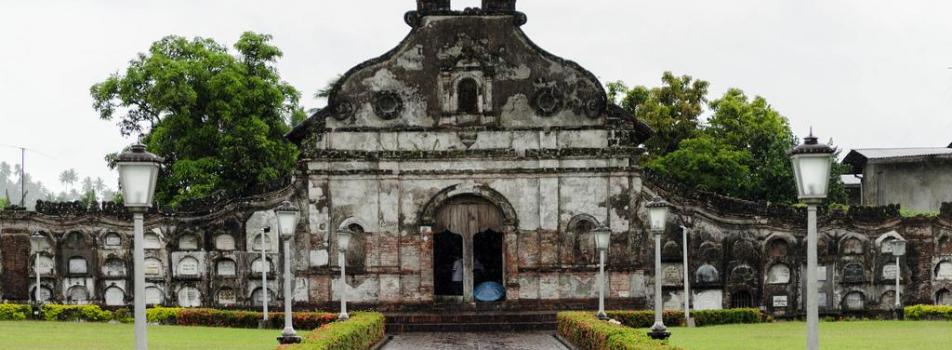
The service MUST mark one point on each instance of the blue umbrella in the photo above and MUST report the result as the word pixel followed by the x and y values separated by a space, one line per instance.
pixel 489 291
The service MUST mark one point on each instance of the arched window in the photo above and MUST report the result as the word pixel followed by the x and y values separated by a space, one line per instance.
pixel 188 266
pixel 226 267
pixel 467 94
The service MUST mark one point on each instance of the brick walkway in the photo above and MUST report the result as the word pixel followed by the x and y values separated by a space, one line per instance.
pixel 474 341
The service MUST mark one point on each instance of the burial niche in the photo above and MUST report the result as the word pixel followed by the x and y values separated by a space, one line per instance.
pixel 357 251
pixel 77 295
pixel 943 297
pixel 778 248
pixel 778 274
pixel 468 248
pixel 742 274
pixel 707 274
pixel 854 273
pixel 226 268
pixel 115 296
pixel 854 301
pixel 152 267
pixel 943 271
pixel 741 299
pixel 225 242
pixel 189 297
pixel 114 267
pixel 258 295
pixel 584 242
pixel 45 265
pixel 154 296
pixel 188 266
pixel 45 293
pixel 188 242
pixel 852 246
pixel 77 266
pixel 257 266
pixel 112 240
pixel 226 297
pixel 151 241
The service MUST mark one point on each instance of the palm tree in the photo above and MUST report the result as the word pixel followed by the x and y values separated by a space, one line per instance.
pixel 68 178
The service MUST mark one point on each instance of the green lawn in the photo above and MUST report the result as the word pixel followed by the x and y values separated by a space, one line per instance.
pixel 103 336
pixel 859 335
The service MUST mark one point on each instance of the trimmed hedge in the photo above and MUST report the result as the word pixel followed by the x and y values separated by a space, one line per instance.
pixel 14 312
pixel 234 319
pixel 645 318
pixel 89 313
pixel 586 332
pixel 362 331
pixel 928 312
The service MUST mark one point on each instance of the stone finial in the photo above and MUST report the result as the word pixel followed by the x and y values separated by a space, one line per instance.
pixel 499 5
pixel 424 6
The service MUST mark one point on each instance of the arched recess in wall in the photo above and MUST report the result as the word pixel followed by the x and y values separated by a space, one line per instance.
pixel 77 265
pixel 151 240
pixel 225 242
pixel 943 297
pixel 707 274
pixel 45 292
pixel 226 268
pixel 77 295
pixel 189 296
pixel 852 244
pixel 428 213
pixel 581 229
pixel 188 242
pixel 46 265
pixel 112 240
pixel 778 245
pixel 257 295
pixel 778 274
pixel 945 245
pixel 153 268
pixel 114 267
pixel 359 237
pixel 154 296
pixel 854 301
pixel 187 266
pixel 257 266
pixel 115 296
pixel 882 242
pixel 467 96
pixel 226 297
pixel 741 299
pixel 943 270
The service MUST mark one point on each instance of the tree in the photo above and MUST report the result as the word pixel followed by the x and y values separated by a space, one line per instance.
pixel 68 177
pixel 672 109
pixel 218 119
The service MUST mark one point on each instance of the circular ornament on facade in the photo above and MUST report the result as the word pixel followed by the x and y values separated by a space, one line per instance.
pixel 593 106
pixel 387 104
pixel 343 110
pixel 548 101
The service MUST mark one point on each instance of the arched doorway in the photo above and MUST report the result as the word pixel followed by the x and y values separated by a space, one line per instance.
pixel 467 247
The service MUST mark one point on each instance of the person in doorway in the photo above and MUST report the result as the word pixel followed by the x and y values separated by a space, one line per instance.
pixel 458 276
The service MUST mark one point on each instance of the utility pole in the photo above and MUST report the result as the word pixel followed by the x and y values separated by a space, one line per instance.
pixel 22 179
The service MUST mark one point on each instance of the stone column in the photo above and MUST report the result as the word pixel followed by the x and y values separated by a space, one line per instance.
pixel 426 263
pixel 511 260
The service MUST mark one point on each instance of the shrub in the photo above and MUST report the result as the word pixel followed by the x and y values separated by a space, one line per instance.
pixel 928 312
pixel 645 318
pixel 586 332
pixel 14 312
pixel 234 319
pixel 360 332
pixel 91 313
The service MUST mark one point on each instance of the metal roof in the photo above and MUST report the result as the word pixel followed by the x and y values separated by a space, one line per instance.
pixel 858 157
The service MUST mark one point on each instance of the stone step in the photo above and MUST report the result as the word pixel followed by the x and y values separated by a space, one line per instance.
pixel 493 321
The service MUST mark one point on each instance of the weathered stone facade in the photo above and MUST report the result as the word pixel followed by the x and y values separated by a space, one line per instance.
pixel 468 142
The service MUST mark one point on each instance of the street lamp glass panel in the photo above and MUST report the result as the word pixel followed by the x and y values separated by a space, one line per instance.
pixel 287 219
pixel 138 183
pixel 898 247
pixel 658 217
pixel 812 172
pixel 602 237
pixel 343 240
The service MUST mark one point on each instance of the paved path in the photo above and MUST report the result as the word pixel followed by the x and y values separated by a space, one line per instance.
pixel 474 341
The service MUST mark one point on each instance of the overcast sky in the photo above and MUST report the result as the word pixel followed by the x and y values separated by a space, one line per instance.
pixel 865 73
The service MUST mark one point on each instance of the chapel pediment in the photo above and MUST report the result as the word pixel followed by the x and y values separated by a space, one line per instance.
pixel 467 69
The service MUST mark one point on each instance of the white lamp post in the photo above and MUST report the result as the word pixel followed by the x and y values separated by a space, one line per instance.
pixel 264 276
pixel 657 218
pixel 811 168
pixel 602 237
pixel 898 250
pixel 288 216
pixel 37 239
pixel 138 172
pixel 343 242
pixel 687 280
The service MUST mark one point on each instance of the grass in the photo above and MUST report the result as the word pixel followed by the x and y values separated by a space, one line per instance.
pixel 859 335
pixel 104 336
